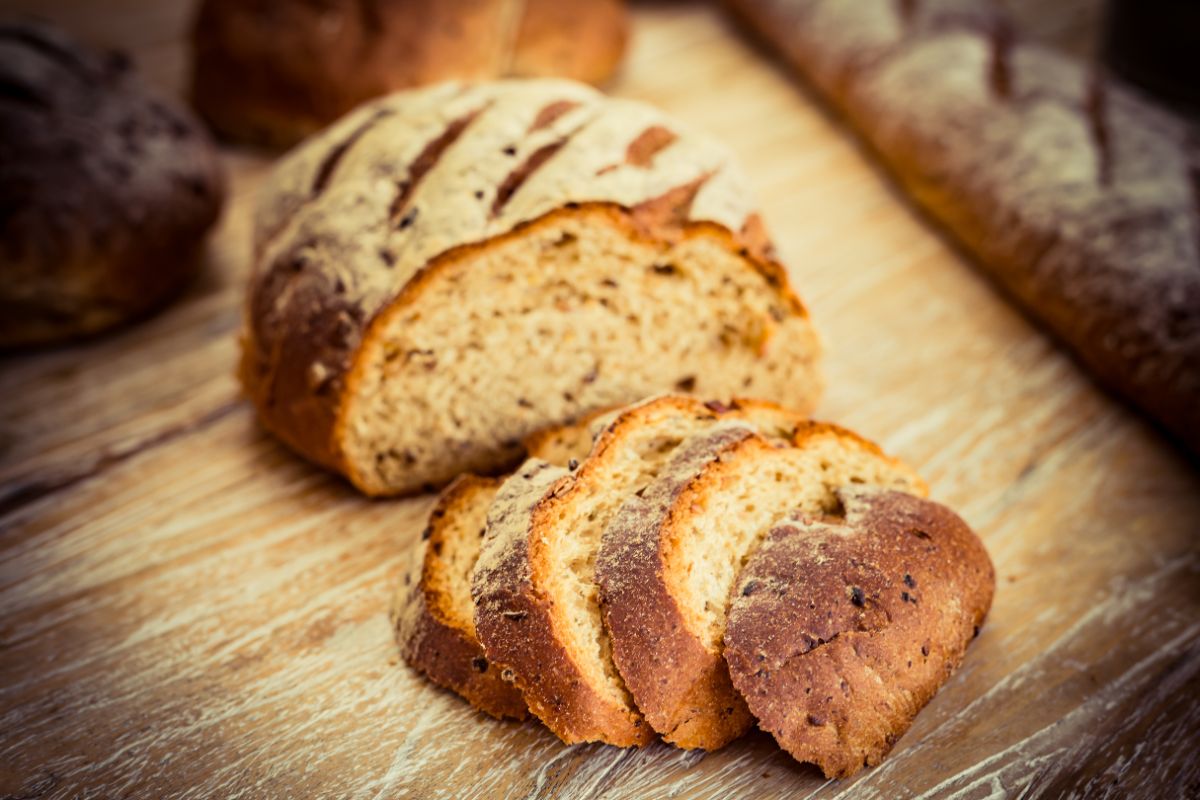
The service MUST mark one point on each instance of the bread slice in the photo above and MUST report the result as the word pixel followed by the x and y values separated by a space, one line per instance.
pixel 670 556
pixel 448 270
pixel 536 608
pixel 842 629
pixel 432 612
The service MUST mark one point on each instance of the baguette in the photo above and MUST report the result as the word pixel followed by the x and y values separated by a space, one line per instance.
pixel 1075 195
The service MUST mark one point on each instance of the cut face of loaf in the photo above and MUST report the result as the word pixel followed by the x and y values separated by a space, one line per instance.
pixel 536 608
pixel 670 557
pixel 448 270
pixel 432 612
pixel 841 629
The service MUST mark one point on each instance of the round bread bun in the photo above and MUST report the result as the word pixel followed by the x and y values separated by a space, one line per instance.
pixel 270 72
pixel 106 190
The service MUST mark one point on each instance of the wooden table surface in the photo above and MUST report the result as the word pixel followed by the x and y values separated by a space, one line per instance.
pixel 187 610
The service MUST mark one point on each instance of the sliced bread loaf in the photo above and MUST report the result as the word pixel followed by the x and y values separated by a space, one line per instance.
pixel 432 612
pixel 447 270
pixel 842 629
pixel 671 554
pixel 536 608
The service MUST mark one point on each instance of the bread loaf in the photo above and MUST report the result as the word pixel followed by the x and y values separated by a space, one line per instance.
pixel 1076 196
pixel 600 589
pixel 447 270
pixel 274 71
pixel 844 625
pixel 432 611
pixel 672 552
pixel 536 607
pixel 107 190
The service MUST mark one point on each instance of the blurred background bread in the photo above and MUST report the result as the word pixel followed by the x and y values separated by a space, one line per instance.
pixel 1076 195
pixel 106 189
pixel 273 71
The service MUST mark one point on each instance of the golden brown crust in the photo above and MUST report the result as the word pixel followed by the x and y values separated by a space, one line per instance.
pixel 514 621
pixel 524 532
pixel 431 640
pixel 1075 194
pixel 108 190
pixel 671 675
pixel 344 258
pixel 579 39
pixel 681 685
pixel 841 630
pixel 271 72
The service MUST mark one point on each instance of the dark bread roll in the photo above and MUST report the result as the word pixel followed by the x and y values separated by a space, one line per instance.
pixel 1078 197
pixel 841 629
pixel 273 71
pixel 106 190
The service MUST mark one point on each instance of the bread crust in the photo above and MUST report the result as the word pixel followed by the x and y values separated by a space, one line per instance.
pixel 682 687
pixel 671 675
pixel 315 315
pixel 515 622
pixel 511 580
pixel 272 72
pixel 431 640
pixel 108 190
pixel 276 366
pixel 1073 193
pixel 841 630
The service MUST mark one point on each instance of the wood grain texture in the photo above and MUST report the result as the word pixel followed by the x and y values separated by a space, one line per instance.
pixel 187 610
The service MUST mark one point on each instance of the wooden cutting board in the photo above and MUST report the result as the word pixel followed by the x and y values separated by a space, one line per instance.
pixel 188 610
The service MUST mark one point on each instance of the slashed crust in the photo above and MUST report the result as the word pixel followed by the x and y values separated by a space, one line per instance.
pixel 1073 192
pixel 341 253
